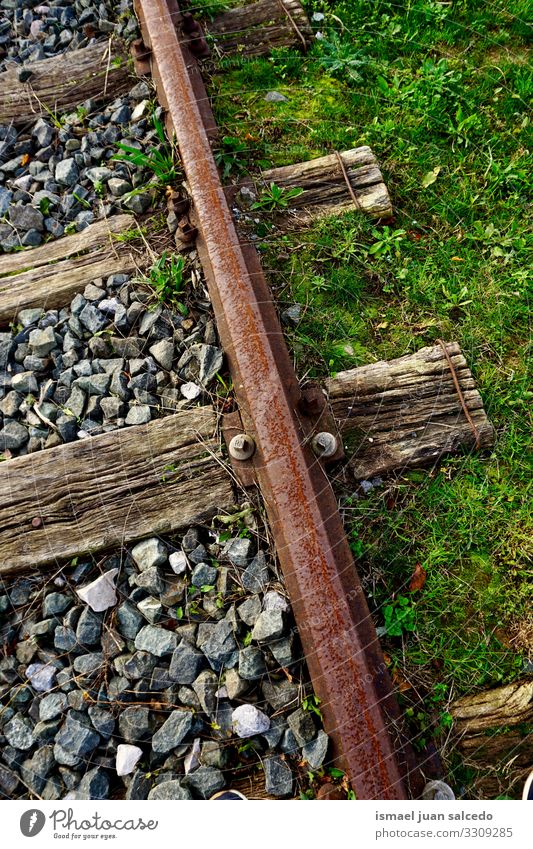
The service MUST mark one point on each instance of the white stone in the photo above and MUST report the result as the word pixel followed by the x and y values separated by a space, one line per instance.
pixel 139 110
pixel 274 601
pixel 127 758
pixel 178 562
pixel 190 391
pixel 42 676
pixel 248 720
pixel 192 758
pixel 101 593
pixel 150 609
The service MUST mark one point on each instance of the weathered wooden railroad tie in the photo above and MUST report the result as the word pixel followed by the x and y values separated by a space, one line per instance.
pixel 383 418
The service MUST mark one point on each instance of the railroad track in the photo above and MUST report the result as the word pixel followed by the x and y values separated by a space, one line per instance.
pixel 109 486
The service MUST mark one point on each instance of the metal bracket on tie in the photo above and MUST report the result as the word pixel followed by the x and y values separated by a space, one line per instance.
pixel 197 42
pixel 141 58
pixel 319 424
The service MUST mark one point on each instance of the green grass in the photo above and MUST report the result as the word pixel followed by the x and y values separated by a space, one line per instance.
pixel 441 93
pixel 165 277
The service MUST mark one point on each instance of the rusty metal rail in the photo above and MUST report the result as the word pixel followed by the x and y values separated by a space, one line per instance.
pixel 339 640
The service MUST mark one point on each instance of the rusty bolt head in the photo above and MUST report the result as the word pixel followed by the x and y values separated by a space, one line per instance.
pixel 311 401
pixel 241 447
pixel 324 444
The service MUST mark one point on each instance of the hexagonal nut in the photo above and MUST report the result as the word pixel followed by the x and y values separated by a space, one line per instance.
pixel 241 447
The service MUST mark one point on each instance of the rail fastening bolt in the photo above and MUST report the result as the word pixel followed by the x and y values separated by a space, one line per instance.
pixel 324 444
pixel 241 447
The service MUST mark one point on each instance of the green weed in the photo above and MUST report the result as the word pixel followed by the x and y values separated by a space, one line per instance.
pixel 276 197
pixel 166 278
pixel 159 160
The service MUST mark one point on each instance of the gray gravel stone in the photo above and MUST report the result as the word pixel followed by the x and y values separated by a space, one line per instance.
pixel 66 172
pixel 18 732
pixel 135 724
pixel 42 132
pixel 163 353
pixel 250 610
pixel 42 341
pixel 204 575
pixel 89 664
pixel 139 665
pixel 92 318
pixel 255 577
pixel 75 738
pixel 278 776
pixel 157 641
pixel 25 218
pixel 5 199
pixel 280 694
pixel 93 384
pixel 98 174
pixel 64 638
pixel 25 382
pixel 150 552
pixel 118 187
pixel 302 725
pixel 102 720
pixel 51 706
pixel 186 664
pixel 272 600
pixel 289 744
pixel 238 551
pixel 220 648
pixel 206 781
pixel 34 771
pixel 172 732
pixel 66 758
pixel 13 436
pixel 210 359
pixel 269 626
pixel 8 782
pixel 129 620
pixel 138 203
pixel 151 609
pixel 138 414
pixel 275 97
pixel 205 688
pixel 44 732
pixel 275 733
pixel 56 603
pixel 316 750
pixel 282 651
pixel 94 785
pixel 89 630
pixel 172 789
pixel 234 684
pixel 251 663
pixel 198 554
pixel 151 580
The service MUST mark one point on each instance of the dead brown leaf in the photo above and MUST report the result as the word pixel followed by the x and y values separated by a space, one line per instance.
pixel 418 578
